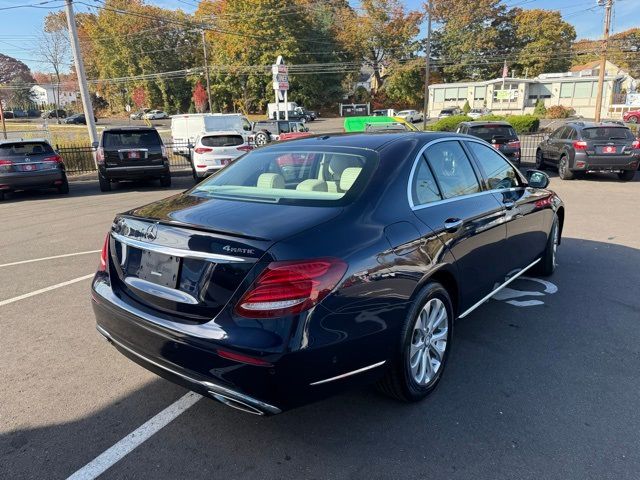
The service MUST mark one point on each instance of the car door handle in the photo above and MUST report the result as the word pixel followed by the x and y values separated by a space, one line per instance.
pixel 452 224
pixel 509 204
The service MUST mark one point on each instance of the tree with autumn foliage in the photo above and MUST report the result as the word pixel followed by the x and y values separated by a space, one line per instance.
pixel 624 48
pixel 199 97
pixel 139 97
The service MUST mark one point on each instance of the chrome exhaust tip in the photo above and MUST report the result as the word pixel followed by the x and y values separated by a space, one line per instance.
pixel 235 403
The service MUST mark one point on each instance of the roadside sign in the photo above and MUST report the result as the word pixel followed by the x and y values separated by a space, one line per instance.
pixel 280 73
pixel 127 107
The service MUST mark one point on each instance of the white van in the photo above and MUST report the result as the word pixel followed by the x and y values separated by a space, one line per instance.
pixel 271 108
pixel 186 128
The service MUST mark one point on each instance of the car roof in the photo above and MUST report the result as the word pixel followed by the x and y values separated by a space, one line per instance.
pixel 219 132
pixel 477 123
pixel 604 123
pixel 128 129
pixel 24 140
pixel 371 141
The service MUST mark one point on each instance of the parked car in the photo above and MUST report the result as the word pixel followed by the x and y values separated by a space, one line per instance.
pixel 131 153
pixel 297 115
pixel 581 147
pixel 266 131
pixel 385 112
pixel 449 112
pixel 30 164
pixel 186 128
pixel 310 114
pixel 215 150
pixel 632 116
pixel 479 112
pixel 500 135
pixel 410 116
pixel 52 114
pixel 138 115
pixel 155 115
pixel 266 289
pixel 8 114
pixel 78 119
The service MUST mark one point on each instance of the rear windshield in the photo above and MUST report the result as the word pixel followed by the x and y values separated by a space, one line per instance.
pixel 328 176
pixel 25 148
pixel 487 132
pixel 140 138
pixel 607 133
pixel 222 141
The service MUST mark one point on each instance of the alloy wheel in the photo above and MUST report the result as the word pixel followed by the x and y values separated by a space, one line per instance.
pixel 556 240
pixel 429 342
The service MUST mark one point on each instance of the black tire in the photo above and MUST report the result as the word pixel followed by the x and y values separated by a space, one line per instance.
pixel 626 175
pixel 1 196
pixel 105 183
pixel 398 381
pixel 165 180
pixel 63 188
pixel 261 138
pixel 563 169
pixel 548 260
pixel 540 165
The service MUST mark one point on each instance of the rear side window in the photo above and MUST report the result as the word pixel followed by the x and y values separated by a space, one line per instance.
pixel 24 149
pixel 607 133
pixel 144 138
pixel 424 188
pixel 222 141
pixel 452 169
pixel 497 170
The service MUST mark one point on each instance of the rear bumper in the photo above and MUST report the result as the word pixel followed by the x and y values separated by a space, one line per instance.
pixel 605 163
pixel 22 180
pixel 135 172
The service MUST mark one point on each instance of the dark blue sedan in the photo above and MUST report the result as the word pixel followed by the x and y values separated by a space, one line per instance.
pixel 307 267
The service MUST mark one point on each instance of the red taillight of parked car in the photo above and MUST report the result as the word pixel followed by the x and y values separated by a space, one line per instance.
pixel 514 144
pixel 5 163
pixel 203 150
pixel 634 144
pixel 100 155
pixel 580 145
pixel 245 148
pixel 102 266
pixel 286 288
pixel 53 159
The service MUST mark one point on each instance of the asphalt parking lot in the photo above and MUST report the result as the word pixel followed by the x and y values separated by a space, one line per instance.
pixel 543 381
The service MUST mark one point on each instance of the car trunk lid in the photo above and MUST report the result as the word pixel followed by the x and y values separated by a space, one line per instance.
pixel 130 148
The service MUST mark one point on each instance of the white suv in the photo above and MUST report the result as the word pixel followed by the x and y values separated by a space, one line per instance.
pixel 215 150
pixel 410 116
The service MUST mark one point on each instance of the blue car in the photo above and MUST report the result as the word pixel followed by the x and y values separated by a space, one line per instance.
pixel 311 266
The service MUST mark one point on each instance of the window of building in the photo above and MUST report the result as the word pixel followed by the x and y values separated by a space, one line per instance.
pixel 539 90
pixel 583 90
pixel 479 93
pixel 451 94
pixel 462 93
pixel 438 95
pixel 566 90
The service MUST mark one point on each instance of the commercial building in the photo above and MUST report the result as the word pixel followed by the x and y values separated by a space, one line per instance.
pixel 575 89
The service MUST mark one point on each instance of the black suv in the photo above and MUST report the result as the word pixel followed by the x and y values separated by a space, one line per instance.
pixel 297 115
pixel 131 153
pixel 581 147
pixel 500 135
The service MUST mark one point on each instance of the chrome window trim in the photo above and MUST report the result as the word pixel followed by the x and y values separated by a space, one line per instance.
pixel 178 252
pixel 459 197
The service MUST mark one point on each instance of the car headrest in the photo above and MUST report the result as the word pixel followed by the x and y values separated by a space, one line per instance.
pixel 312 185
pixel 348 178
pixel 339 163
pixel 270 180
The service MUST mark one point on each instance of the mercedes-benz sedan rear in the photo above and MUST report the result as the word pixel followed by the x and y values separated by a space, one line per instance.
pixel 310 266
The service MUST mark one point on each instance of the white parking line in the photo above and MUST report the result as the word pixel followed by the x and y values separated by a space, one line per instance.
pixel 46 289
pixel 21 262
pixel 118 451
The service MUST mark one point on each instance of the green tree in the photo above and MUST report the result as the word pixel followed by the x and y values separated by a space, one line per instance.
pixel 472 37
pixel 623 51
pixel 542 35
pixel 405 84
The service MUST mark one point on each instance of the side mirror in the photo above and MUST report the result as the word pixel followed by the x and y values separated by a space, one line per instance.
pixel 94 145
pixel 537 179
pixel 546 137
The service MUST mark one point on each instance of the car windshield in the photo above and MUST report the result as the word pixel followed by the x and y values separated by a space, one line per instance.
pixel 24 149
pixel 131 139
pixel 293 176
pixel 487 132
pixel 607 133
pixel 222 140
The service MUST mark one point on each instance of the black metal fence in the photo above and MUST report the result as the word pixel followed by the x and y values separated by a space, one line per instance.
pixel 79 158
pixel 528 146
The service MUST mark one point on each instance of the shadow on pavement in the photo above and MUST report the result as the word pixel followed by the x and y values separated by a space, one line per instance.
pixel 546 391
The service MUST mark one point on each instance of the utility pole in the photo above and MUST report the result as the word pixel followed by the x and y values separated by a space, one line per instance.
pixel 206 70
pixel 4 126
pixel 603 56
pixel 427 68
pixel 82 76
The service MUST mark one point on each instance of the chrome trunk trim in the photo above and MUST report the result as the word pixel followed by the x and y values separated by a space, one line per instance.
pixel 348 374
pixel 161 291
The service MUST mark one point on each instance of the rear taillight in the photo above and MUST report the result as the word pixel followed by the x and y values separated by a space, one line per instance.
pixel 580 145
pixel 5 162
pixel 245 148
pixel 164 150
pixel 102 267
pixel 100 155
pixel 514 144
pixel 634 144
pixel 203 150
pixel 286 288
pixel 54 158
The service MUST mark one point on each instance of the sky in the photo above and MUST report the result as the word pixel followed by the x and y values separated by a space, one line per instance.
pixel 21 26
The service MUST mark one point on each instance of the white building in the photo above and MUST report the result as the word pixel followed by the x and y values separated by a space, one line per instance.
pixel 46 95
pixel 575 89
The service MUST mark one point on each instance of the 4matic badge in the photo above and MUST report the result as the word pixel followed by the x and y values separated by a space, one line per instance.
pixel 230 249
